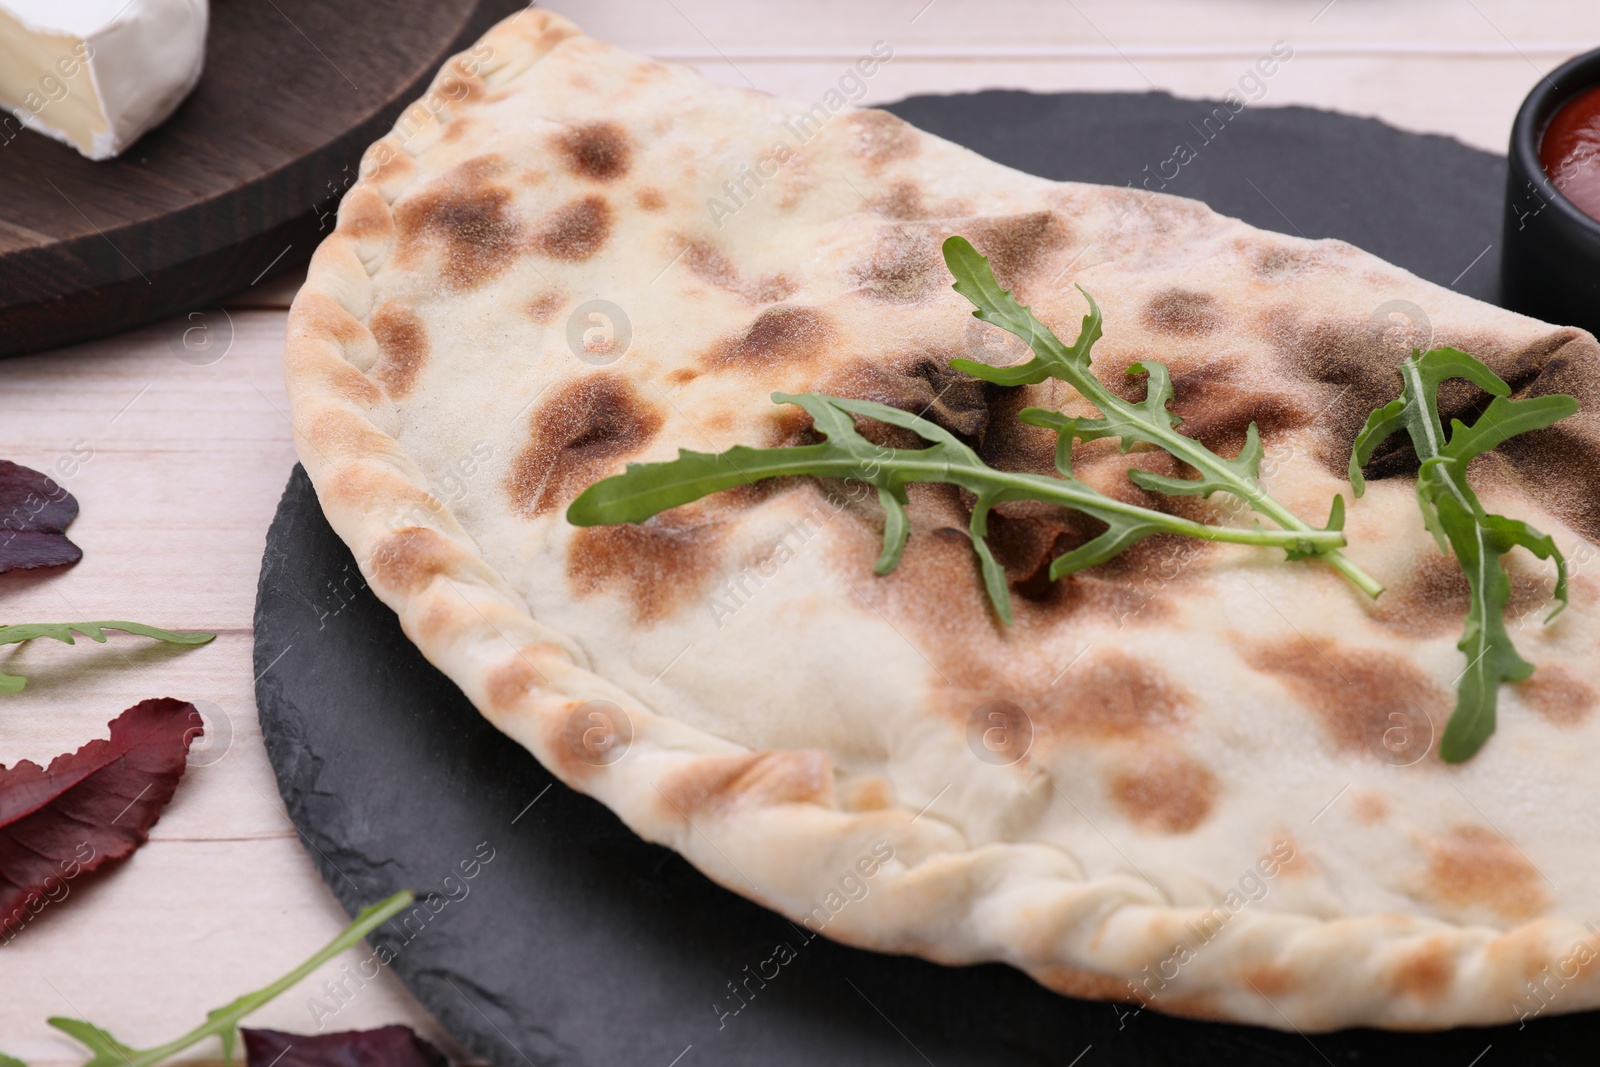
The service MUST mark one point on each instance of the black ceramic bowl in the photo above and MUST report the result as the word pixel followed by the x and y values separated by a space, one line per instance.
pixel 1550 254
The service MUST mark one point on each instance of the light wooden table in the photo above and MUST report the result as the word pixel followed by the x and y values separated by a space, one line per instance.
pixel 186 462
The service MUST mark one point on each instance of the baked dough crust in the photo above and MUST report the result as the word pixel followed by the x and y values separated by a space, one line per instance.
pixel 1159 837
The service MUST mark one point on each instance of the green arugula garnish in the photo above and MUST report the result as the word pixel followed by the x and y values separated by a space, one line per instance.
pixel 646 489
pixel 94 631
pixel 1459 522
pixel 1148 423
pixel 223 1022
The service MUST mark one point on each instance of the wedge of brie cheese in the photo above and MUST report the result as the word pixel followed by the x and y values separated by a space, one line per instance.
pixel 97 74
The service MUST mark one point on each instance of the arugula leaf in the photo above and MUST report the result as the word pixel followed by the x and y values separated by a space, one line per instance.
pixel 223 1022
pixel 646 489
pixel 1459 522
pixel 1147 423
pixel 94 631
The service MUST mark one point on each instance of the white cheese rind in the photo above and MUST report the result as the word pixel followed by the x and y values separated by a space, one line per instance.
pixel 99 74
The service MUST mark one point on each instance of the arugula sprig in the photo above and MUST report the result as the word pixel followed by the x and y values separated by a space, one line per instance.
pixel 646 489
pixel 223 1022
pixel 94 631
pixel 1147 423
pixel 1458 521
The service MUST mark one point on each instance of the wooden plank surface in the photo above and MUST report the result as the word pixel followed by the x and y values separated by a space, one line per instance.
pixel 179 466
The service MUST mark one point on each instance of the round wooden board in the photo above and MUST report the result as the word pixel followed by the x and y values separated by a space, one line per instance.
pixel 239 184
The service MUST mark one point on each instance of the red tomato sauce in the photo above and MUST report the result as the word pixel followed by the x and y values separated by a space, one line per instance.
pixel 1570 151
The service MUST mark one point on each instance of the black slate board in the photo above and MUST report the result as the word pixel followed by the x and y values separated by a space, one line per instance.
pixel 577 943
pixel 1424 202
